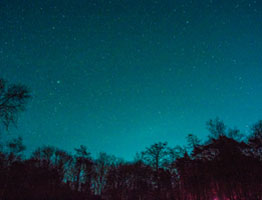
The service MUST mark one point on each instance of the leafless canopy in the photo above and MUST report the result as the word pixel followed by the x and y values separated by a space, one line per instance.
pixel 13 99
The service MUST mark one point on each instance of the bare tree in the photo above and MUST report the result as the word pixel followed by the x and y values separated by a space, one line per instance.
pixel 192 141
pixel 13 99
pixel 257 130
pixel 83 169
pixel 216 128
pixel 101 168
pixel 16 147
pixel 156 156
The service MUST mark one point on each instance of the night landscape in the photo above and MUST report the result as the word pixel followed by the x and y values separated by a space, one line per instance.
pixel 131 100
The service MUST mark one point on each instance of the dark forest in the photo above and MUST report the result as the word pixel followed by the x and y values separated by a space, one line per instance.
pixel 227 165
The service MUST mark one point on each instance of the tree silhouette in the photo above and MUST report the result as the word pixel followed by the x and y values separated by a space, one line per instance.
pixel 83 169
pixel 101 168
pixel 16 149
pixel 156 156
pixel 13 99
pixel 216 128
pixel 192 141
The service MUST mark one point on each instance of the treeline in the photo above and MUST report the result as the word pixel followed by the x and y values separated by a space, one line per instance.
pixel 226 166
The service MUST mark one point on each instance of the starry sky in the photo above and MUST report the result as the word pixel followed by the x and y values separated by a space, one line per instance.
pixel 120 75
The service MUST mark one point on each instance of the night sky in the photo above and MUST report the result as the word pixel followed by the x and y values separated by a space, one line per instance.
pixel 120 75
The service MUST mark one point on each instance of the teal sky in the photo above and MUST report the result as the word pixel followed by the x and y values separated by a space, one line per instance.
pixel 120 75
